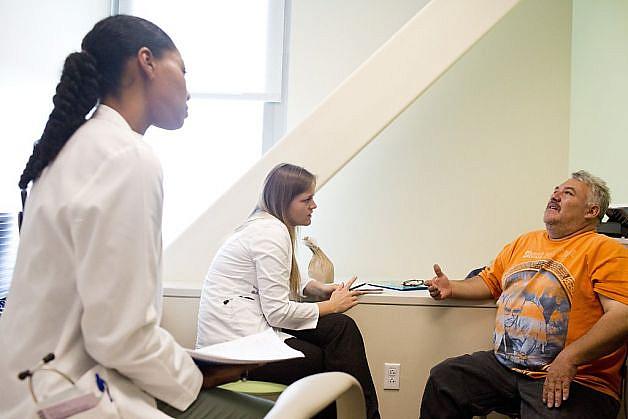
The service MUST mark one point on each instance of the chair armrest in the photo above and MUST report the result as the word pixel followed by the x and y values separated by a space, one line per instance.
pixel 308 396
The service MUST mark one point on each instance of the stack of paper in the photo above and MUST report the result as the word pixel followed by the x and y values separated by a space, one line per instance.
pixel 258 348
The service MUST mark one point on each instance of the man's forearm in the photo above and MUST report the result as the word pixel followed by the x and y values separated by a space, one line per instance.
pixel 471 289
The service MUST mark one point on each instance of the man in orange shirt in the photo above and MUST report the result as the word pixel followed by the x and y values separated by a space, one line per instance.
pixel 561 325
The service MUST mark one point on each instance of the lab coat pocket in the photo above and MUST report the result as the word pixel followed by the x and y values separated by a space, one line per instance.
pixel 247 316
pixel 97 381
pixel 89 397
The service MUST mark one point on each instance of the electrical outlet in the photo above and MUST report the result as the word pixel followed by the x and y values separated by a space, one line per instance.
pixel 392 375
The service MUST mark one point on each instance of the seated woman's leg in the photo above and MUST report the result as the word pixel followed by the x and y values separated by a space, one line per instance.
pixel 291 370
pixel 343 350
pixel 217 403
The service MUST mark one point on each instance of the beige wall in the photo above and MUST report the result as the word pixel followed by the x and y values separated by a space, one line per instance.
pixel 329 39
pixel 363 105
pixel 416 337
pixel 463 170
pixel 599 95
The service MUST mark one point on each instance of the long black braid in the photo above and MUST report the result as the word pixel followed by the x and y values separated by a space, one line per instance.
pixel 76 95
pixel 91 75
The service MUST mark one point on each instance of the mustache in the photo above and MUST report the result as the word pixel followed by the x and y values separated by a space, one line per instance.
pixel 553 204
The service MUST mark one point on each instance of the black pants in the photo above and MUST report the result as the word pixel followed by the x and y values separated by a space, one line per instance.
pixel 335 345
pixel 477 384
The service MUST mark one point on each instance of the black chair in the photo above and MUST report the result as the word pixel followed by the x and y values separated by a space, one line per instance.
pixel 624 391
pixel 474 272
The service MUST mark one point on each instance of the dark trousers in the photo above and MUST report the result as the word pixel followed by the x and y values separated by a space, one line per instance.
pixel 477 384
pixel 335 345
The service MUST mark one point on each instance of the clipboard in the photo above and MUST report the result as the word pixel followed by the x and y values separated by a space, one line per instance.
pixel 398 287
pixel 258 348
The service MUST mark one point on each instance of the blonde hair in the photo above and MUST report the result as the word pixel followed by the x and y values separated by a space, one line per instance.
pixel 599 194
pixel 284 182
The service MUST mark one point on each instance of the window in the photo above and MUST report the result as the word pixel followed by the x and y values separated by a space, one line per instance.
pixel 233 51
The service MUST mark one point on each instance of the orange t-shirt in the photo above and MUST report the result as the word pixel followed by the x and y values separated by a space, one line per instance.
pixel 546 293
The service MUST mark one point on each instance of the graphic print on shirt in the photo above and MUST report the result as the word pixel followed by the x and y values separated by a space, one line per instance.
pixel 533 314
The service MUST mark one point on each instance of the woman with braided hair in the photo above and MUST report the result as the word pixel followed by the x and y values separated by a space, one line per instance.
pixel 86 284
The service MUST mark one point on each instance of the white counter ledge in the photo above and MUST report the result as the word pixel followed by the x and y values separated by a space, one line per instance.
pixel 192 289
pixel 419 298
pixel 189 289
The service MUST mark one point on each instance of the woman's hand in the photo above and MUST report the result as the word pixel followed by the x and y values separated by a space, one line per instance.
pixel 342 299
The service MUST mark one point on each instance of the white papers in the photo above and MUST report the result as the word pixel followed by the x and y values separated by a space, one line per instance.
pixel 366 288
pixel 258 348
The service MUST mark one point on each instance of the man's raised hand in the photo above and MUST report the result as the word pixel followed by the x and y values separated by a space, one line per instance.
pixel 439 286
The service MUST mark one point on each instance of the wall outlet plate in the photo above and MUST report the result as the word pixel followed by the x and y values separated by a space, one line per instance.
pixel 392 376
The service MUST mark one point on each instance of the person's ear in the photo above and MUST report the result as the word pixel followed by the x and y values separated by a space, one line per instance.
pixel 146 61
pixel 592 212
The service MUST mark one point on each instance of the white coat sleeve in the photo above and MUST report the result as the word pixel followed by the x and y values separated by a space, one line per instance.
pixel 272 253
pixel 303 284
pixel 117 239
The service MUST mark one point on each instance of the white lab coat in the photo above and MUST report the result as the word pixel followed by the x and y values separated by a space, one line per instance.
pixel 87 279
pixel 246 289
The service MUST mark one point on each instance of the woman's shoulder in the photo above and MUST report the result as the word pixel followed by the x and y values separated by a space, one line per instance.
pixel 109 131
pixel 261 220
pixel 97 142
pixel 262 226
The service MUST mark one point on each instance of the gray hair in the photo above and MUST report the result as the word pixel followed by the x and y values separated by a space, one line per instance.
pixel 599 194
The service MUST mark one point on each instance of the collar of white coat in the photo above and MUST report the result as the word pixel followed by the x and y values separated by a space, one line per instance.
pixel 261 214
pixel 106 113
pixel 258 215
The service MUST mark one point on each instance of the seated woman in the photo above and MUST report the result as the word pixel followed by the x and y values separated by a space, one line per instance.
pixel 253 283
pixel 87 280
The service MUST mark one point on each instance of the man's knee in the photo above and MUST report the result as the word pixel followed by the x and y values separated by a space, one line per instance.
pixel 441 371
pixel 441 394
pixel 449 370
